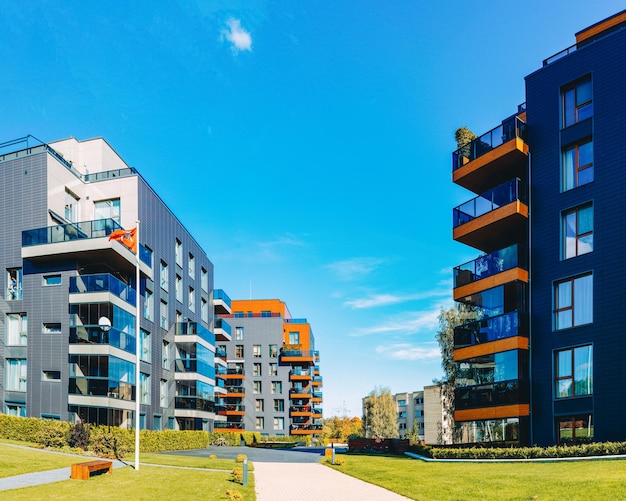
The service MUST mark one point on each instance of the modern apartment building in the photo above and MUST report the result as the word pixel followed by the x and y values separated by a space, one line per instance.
pixel 271 374
pixel 542 363
pixel 69 297
pixel 410 408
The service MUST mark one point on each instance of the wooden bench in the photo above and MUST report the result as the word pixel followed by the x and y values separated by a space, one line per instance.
pixel 82 471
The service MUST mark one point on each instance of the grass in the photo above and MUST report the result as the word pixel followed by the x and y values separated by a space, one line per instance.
pixel 571 480
pixel 149 483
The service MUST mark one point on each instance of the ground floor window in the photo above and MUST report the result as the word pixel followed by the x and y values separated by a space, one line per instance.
pixel 575 429
pixel 487 431
pixel 101 416
pixel 15 409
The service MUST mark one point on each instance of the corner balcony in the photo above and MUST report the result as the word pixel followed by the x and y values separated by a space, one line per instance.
pixel 494 157
pixel 305 429
pixel 86 241
pixel 317 381
pixel 291 356
pixel 317 397
pixel 317 413
pixel 490 401
pixel 102 282
pixel 235 392
pixel 494 220
pixel 300 393
pixel 298 374
pixel 493 269
pixel 223 331
pixel 488 330
pixel 231 410
pixel 227 426
pixel 221 302
pixel 185 332
pixel 194 404
pixel 300 411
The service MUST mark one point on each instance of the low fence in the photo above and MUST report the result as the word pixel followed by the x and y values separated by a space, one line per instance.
pixel 388 445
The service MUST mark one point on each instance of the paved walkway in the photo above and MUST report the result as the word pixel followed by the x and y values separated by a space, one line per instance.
pixel 313 482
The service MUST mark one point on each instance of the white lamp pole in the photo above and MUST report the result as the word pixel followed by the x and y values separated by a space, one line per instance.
pixel 137 348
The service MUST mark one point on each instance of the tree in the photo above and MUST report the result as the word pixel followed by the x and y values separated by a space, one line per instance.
pixel 380 419
pixel 463 136
pixel 340 428
pixel 414 434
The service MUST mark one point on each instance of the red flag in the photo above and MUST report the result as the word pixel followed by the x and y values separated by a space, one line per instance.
pixel 127 237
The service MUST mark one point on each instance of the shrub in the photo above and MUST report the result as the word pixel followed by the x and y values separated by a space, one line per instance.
pixel 238 475
pixel 233 495
pixel 53 436
pixel 241 457
pixel 212 456
pixel 108 446
pixel 79 436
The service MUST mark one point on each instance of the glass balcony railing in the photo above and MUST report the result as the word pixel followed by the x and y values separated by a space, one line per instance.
pixel 69 232
pixel 195 329
pixel 514 256
pixel 101 387
pixel 301 372
pixel 109 174
pixel 301 391
pixel 509 129
pixel 317 394
pixel 491 395
pixel 306 427
pixel 235 389
pixel 196 365
pixel 489 201
pixel 195 403
pixel 94 334
pixel 220 323
pixel 230 408
pixel 297 353
pixel 300 408
pixel 318 411
pixel 104 282
pixel 227 425
pixel 220 294
pixel 491 329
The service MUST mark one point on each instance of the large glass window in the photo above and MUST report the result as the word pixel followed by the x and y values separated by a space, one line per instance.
pixel 575 429
pixel 573 302
pixel 574 372
pixel 238 333
pixel 204 280
pixel 163 315
pixel 14 284
pixel 192 299
pixel 16 370
pixel 204 310
pixel 178 252
pixel 294 338
pixel 148 305
pixel 577 228
pixel 145 346
pixel 107 209
pixel 144 388
pixel 577 102
pixel 191 266
pixel 17 329
pixel 163 393
pixel 165 353
pixel 164 275
pixel 577 165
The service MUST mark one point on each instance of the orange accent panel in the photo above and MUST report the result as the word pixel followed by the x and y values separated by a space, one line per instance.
pixel 515 207
pixel 600 27
pixel 522 116
pixel 510 343
pixel 504 411
pixel 512 145
pixel 305 432
pixel 491 281
pixel 260 305
pixel 304 358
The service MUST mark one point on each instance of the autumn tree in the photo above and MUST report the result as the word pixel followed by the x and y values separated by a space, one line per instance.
pixel 341 428
pixel 380 418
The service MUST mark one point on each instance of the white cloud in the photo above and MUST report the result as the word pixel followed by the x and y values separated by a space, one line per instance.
pixel 237 36
pixel 406 351
pixel 387 299
pixel 351 269
pixel 409 323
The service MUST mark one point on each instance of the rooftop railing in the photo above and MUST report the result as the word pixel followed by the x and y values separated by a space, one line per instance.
pixel 489 201
pixel 509 129
pixel 514 256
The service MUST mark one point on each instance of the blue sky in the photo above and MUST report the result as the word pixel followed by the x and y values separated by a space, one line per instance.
pixel 306 145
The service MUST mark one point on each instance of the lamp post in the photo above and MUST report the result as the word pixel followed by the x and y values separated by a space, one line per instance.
pixel 137 348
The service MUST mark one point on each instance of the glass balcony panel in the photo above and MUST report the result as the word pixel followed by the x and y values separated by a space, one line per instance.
pixel 195 403
pixel 490 264
pixel 491 329
pixel 68 232
pixel 491 395
pixel 103 283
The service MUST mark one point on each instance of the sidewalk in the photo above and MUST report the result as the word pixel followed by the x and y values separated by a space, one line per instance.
pixel 313 482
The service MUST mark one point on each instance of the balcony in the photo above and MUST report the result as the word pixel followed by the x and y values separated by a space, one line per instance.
pixel 231 410
pixel 297 356
pixel 95 335
pixel 220 353
pixel 221 302
pixel 104 282
pixel 300 393
pixel 300 411
pixel 194 403
pixel 317 381
pixel 494 220
pixel 101 387
pixel 317 413
pixel 193 329
pixel 494 157
pixel 493 269
pixel 235 391
pixel 305 429
pixel 299 374
pixel 491 329
pixel 227 426
pixel 223 330
pixel 195 365
pixel 491 395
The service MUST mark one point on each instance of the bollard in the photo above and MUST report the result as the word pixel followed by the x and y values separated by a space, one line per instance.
pixel 245 472
pixel 333 455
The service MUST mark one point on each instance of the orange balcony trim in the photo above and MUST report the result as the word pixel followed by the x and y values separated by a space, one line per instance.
pixel 305 432
pixel 515 144
pixel 301 413
pixel 490 282
pixel 600 27
pixel 510 343
pixel 504 411
pixel 300 377
pixel 515 207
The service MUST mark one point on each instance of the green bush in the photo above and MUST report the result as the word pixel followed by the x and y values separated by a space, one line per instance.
pixel 79 436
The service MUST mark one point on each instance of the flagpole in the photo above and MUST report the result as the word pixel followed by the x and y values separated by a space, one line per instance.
pixel 137 348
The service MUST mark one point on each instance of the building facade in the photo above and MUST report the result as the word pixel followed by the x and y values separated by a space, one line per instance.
pixel 69 294
pixel 541 362
pixel 410 408
pixel 270 369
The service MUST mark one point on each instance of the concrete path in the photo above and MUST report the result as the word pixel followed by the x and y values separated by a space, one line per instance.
pixel 313 482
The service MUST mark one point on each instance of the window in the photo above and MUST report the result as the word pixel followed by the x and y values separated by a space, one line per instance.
pixel 71 207
pixel 165 352
pixel 256 369
pixel 577 165
pixel 51 328
pixel 191 266
pixel 273 351
pixel 577 104
pixel 51 375
pixel 277 387
pixel 294 338
pixel 259 405
pixel 259 422
pixel 204 280
pixel 192 299
pixel 178 252
pixel 157 423
pixel 238 333
pixel 164 275
pixel 273 369
pixel 16 409
pixel 204 310
pixel 575 430
pixel 50 280
pixel 256 350
pixel 145 349
pixel 163 398
pixel 279 423
pixel 144 388
pixel 279 405
pixel 577 227
pixel 148 305
pixel 17 329
pixel 402 403
pixel 573 302
pixel 256 387
pixel 16 369
pixel 163 315
pixel 239 351
pixel 574 372
pixel 107 209
pixel 14 284
pixel 179 289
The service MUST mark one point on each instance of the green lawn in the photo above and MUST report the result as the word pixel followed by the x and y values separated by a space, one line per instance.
pixel 571 480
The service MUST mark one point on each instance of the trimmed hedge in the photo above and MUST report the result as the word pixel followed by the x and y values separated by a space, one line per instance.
pixel 556 451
